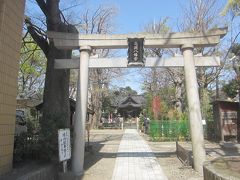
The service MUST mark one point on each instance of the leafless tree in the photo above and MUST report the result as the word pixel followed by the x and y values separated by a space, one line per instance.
pixel 99 21
pixel 202 15
pixel 232 8
pixel 170 77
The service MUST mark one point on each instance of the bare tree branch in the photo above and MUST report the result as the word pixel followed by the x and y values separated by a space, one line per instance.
pixel 38 36
pixel 43 6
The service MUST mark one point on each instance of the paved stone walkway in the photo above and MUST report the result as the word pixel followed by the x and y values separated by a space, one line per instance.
pixel 135 160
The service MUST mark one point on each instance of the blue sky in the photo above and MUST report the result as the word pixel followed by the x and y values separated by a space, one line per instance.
pixel 131 17
pixel 132 14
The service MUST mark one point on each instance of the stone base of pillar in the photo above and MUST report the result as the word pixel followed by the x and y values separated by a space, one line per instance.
pixel 69 176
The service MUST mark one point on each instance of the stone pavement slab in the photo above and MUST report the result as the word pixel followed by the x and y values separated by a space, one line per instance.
pixel 135 160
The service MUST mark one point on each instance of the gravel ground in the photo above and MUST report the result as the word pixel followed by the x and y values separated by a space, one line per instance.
pixel 100 162
pixel 171 165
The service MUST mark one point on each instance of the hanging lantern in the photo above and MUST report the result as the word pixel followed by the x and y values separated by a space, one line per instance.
pixel 135 52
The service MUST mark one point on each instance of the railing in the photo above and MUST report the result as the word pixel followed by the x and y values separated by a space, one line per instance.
pixel 169 130
pixel 184 155
pixel 114 125
pixel 130 125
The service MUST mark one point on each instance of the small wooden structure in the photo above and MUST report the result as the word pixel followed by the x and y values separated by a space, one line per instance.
pixel 90 112
pixel 225 119
pixel 184 154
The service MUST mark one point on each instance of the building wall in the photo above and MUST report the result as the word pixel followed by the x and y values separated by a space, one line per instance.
pixel 11 19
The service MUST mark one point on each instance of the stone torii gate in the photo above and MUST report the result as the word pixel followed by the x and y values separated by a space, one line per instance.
pixel 186 41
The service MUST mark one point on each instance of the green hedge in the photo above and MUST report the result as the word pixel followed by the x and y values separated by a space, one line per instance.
pixel 169 130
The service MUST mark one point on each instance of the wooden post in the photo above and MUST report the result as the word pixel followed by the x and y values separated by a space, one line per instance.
pixel 64 166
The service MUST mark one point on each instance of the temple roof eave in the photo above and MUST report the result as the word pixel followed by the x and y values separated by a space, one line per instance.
pixel 130 106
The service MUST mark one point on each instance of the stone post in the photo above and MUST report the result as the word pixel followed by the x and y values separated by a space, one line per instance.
pixel 195 118
pixel 81 111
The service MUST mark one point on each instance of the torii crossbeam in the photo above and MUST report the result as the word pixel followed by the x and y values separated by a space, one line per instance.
pixel 153 62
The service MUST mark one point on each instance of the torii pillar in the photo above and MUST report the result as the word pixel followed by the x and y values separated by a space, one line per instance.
pixel 195 117
pixel 81 111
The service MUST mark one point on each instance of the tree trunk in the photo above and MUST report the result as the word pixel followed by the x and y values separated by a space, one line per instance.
pixel 156 99
pixel 178 96
pixel 238 119
pixel 96 97
pixel 56 110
